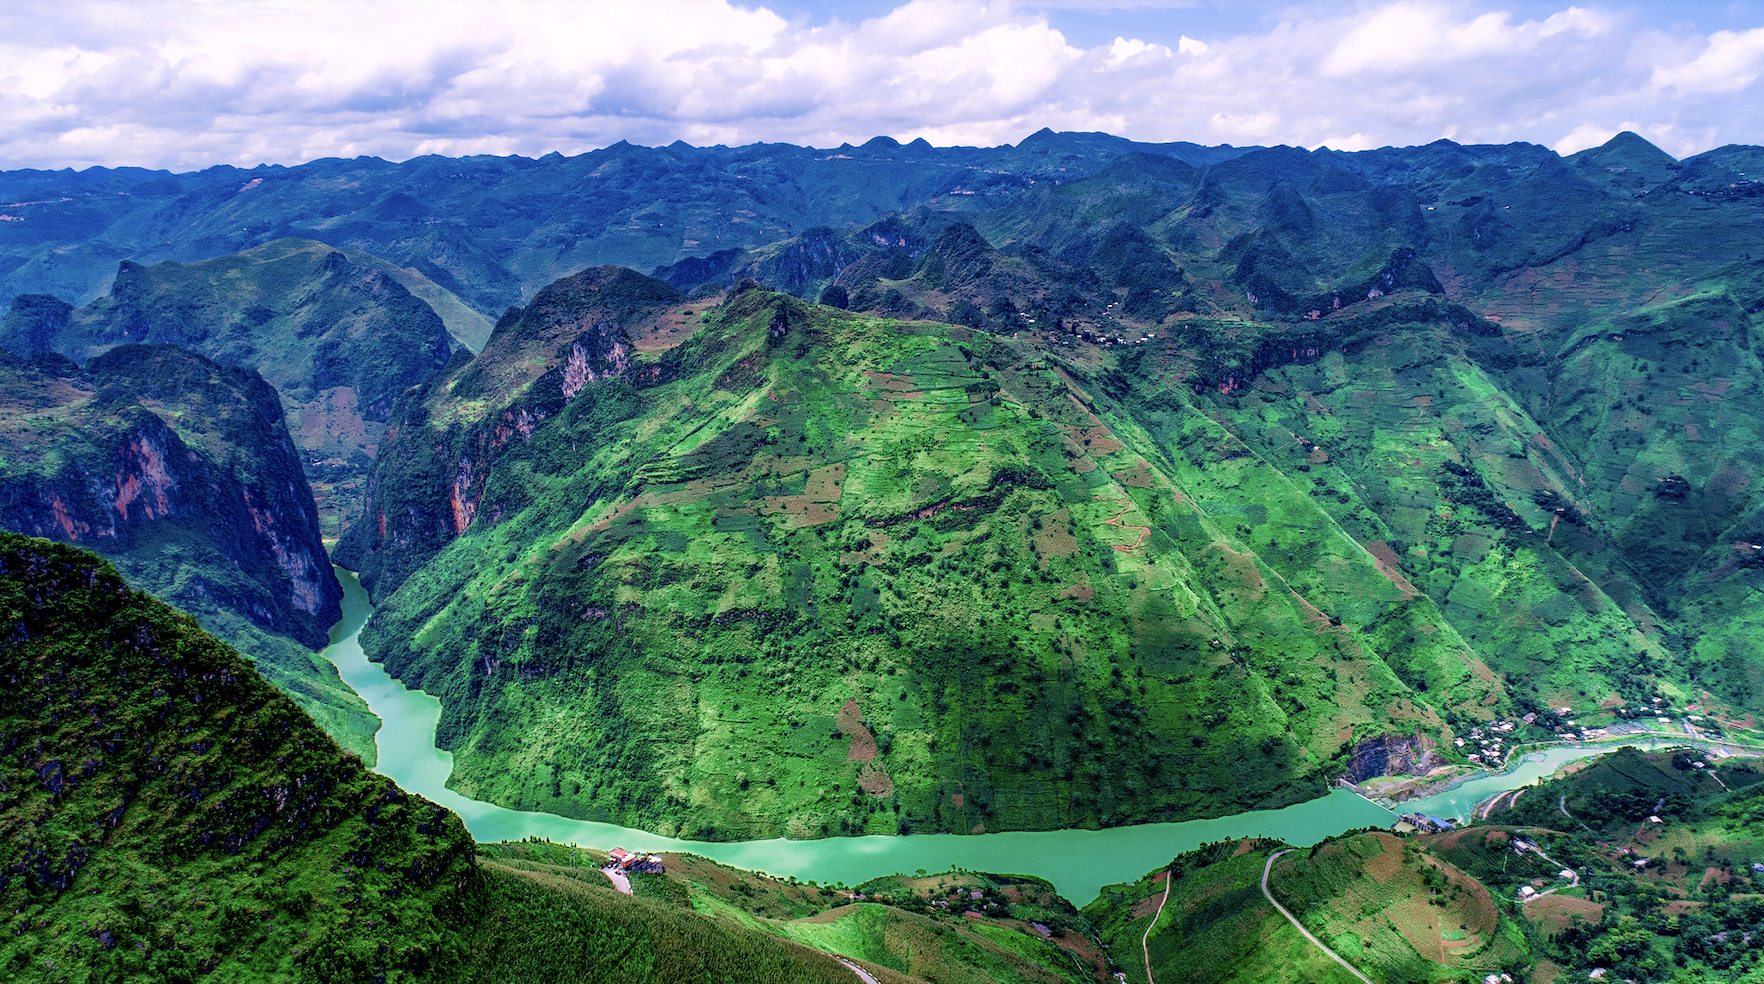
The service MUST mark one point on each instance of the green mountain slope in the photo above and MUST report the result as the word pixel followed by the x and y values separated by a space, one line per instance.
pixel 810 572
pixel 1660 887
pixel 182 472
pixel 337 338
pixel 167 815
pixel 1570 478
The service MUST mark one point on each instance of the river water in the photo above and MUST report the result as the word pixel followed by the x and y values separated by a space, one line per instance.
pixel 1078 862
pixel 1457 802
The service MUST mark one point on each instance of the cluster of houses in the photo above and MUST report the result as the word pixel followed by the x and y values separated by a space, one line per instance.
pixel 1488 740
pixel 619 859
pixel 1096 333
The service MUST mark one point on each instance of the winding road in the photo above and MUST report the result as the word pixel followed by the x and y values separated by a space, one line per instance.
pixel 1295 923
pixel 863 975
pixel 1144 947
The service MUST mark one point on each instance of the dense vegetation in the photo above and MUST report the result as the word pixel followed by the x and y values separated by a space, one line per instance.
pixel 168 816
pixel 809 572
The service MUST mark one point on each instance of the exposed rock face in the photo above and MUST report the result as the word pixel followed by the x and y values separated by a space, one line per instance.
pixel 424 493
pixel 1393 755
pixel 181 470
pixel 339 340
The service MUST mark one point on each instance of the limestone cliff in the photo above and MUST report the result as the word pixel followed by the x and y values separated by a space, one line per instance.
pixel 179 469
pixel 425 492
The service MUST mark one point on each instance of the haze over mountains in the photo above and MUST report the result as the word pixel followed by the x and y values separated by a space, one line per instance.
pixel 772 491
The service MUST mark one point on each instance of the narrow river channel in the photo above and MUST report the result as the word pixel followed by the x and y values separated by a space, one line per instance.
pixel 1078 862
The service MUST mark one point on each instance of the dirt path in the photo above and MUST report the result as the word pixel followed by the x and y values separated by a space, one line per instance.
pixel 1487 807
pixel 1574 877
pixel 1144 531
pixel 1295 923
pixel 1562 805
pixel 1144 945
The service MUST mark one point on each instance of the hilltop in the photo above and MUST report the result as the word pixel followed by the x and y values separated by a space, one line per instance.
pixel 766 567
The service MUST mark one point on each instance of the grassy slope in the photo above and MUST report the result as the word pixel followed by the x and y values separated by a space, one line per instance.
pixel 939 526
pixel 167 815
pixel 899 939
pixel 1446 907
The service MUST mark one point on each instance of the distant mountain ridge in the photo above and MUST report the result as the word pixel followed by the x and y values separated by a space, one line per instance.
pixel 495 230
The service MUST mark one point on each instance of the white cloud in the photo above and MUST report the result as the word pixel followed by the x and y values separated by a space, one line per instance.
pixel 1731 62
pixel 1585 135
pixel 187 83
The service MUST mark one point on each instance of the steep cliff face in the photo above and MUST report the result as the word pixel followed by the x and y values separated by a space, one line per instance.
pixel 183 474
pixel 179 467
pixel 337 338
pixel 1393 755
pixel 444 438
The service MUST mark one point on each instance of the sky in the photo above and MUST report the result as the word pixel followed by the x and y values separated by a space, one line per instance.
pixel 185 84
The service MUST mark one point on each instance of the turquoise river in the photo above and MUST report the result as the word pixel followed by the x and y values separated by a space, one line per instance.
pixel 1078 862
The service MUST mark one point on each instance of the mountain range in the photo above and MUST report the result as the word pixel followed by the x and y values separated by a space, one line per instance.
pixel 772 491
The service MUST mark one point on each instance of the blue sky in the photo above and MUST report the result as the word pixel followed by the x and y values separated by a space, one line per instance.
pixel 189 83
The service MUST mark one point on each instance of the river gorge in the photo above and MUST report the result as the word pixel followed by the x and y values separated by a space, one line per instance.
pixel 1077 862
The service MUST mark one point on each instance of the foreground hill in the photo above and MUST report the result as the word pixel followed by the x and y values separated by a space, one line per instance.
pixel 766 567
pixel 183 473
pixel 167 815
pixel 1673 898
pixel 337 337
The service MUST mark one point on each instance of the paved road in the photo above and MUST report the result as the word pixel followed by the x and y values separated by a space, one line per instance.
pixel 620 880
pixel 863 975
pixel 1143 946
pixel 1295 923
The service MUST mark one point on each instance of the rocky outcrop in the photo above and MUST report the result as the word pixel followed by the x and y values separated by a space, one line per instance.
pixel 444 437
pixel 1393 755
pixel 337 338
pixel 180 470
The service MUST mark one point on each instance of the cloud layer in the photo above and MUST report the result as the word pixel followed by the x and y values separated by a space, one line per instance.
pixel 189 83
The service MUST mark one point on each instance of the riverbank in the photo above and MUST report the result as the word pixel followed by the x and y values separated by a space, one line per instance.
pixel 1077 862
pixel 1526 765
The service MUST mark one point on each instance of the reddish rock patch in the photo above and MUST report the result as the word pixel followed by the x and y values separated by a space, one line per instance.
pixel 850 722
pixel 874 779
